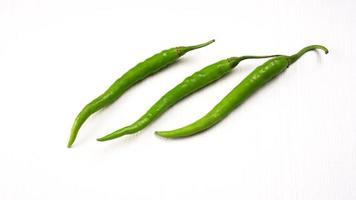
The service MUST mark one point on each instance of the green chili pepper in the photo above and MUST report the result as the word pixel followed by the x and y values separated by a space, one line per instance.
pixel 142 70
pixel 191 84
pixel 255 80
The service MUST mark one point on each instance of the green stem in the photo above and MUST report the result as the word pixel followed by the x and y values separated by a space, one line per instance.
pixel 183 50
pixel 236 60
pixel 296 56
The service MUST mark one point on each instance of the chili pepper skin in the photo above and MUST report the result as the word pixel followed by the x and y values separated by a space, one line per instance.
pixel 142 70
pixel 240 93
pixel 189 85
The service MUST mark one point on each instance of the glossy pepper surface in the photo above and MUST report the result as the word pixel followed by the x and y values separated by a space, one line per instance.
pixel 142 70
pixel 189 85
pixel 255 80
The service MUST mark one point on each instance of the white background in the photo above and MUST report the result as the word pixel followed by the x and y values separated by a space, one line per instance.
pixel 294 139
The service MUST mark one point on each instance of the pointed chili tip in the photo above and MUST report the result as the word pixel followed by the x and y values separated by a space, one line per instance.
pixel 169 134
pixel 161 133
pixel 70 143
pixel 105 138
pixel 110 136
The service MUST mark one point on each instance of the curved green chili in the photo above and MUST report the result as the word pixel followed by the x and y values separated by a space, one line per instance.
pixel 189 85
pixel 240 93
pixel 142 70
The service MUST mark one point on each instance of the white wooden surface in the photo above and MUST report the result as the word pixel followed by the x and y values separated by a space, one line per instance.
pixel 295 139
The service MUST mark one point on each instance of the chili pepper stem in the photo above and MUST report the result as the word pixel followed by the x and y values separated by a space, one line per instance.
pixel 293 58
pixel 236 60
pixel 185 49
